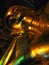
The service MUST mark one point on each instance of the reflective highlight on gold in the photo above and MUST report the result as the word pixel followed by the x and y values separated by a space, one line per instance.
pixel 27 19
pixel 47 25
pixel 17 26
pixel 35 23
pixel 38 24
pixel 9 13
pixel 29 27
pixel 10 52
pixel 39 50
pixel 18 15
pixel 34 29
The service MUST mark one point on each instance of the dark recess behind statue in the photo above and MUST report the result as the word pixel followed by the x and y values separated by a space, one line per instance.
pixel 33 4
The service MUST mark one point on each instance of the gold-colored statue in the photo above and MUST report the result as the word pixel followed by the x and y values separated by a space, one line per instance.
pixel 26 29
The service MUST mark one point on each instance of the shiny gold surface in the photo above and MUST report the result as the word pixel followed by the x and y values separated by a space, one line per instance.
pixel 27 29
pixel 39 50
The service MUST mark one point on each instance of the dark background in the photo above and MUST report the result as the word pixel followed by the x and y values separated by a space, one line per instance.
pixel 33 4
